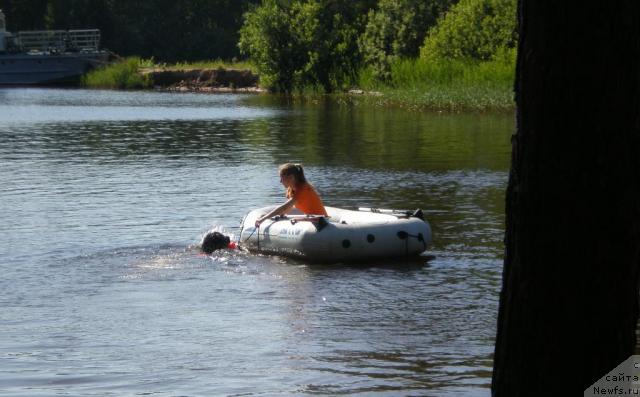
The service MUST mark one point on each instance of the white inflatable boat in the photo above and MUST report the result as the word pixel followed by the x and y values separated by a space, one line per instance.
pixel 343 235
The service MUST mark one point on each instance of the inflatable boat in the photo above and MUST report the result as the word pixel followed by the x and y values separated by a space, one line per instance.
pixel 341 236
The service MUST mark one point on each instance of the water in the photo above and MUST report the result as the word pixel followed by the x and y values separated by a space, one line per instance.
pixel 104 193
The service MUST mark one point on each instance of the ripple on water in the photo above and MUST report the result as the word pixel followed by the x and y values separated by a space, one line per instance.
pixel 105 193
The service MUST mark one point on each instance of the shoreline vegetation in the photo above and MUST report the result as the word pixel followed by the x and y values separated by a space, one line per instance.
pixel 451 85
pixel 444 55
pixel 135 73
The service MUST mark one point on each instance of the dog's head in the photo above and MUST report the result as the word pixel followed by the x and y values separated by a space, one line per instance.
pixel 214 241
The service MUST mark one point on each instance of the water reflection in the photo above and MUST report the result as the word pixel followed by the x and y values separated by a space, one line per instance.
pixel 320 135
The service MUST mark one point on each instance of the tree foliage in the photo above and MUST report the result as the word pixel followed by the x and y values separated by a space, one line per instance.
pixel 324 44
pixel 396 29
pixel 275 44
pixel 24 14
pixel 473 29
pixel 302 43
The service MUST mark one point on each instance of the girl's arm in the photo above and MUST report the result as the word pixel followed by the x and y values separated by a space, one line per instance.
pixel 283 209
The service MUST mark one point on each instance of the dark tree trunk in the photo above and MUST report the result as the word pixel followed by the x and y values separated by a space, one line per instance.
pixel 569 301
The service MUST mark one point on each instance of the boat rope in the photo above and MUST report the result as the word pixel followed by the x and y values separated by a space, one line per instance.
pixel 254 230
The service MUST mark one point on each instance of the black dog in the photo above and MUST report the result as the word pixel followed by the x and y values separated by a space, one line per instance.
pixel 214 241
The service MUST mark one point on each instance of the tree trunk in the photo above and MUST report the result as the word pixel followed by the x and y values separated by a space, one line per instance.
pixel 569 300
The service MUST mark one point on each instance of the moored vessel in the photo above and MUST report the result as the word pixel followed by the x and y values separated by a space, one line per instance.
pixel 48 56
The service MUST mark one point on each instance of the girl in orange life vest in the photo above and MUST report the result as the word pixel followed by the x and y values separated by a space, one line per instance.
pixel 300 194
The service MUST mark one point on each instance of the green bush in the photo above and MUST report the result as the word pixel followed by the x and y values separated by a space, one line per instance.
pixel 121 75
pixel 300 44
pixel 267 38
pixel 473 29
pixel 396 30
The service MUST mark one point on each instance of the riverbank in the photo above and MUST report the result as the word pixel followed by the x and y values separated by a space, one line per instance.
pixel 445 84
pixel 202 79
pixel 135 73
pixel 450 87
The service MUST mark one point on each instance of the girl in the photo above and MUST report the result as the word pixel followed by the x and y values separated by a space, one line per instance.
pixel 300 194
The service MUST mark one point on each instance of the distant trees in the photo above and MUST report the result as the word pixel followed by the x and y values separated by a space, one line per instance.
pixel 324 44
pixel 328 43
pixel 168 30
pixel 177 30
pixel 24 14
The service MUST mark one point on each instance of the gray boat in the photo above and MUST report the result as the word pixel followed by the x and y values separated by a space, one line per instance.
pixel 46 57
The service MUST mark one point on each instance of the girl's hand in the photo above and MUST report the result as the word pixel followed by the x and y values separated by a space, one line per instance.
pixel 258 222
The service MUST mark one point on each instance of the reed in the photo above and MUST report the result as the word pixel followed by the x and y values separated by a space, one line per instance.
pixel 120 75
pixel 448 84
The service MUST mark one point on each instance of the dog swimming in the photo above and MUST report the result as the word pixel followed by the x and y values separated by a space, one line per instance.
pixel 213 241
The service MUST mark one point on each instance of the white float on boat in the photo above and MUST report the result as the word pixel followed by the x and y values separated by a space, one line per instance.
pixel 343 235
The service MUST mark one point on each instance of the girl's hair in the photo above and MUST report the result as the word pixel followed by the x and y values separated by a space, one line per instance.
pixel 293 169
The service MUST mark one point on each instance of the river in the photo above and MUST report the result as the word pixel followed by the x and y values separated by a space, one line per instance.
pixel 105 193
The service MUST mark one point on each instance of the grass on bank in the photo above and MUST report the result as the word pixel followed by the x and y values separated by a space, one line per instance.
pixel 126 73
pixel 447 84
pixel 441 85
pixel 119 75
pixel 212 64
